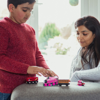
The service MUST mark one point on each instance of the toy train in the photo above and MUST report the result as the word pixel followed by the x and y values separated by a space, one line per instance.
pixel 80 83
pixel 32 80
pixel 52 81
pixel 63 82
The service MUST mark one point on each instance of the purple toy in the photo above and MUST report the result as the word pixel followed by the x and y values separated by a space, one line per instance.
pixel 80 83
pixel 51 81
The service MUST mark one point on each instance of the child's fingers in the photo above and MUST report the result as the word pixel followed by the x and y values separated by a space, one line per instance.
pixel 39 74
pixel 53 74
pixel 45 74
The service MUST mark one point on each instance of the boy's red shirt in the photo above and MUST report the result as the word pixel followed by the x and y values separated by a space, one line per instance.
pixel 18 51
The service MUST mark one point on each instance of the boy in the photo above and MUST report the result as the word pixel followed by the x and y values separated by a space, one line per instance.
pixel 19 53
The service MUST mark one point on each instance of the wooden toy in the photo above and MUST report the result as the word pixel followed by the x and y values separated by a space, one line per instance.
pixel 51 81
pixel 32 80
pixel 80 83
pixel 63 82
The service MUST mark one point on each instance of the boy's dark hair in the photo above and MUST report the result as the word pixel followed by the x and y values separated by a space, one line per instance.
pixel 18 2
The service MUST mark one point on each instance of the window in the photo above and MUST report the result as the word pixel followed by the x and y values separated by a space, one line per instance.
pixel 57 40
pixel 3 9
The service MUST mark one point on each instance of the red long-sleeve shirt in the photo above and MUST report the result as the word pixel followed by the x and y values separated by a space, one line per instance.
pixel 18 51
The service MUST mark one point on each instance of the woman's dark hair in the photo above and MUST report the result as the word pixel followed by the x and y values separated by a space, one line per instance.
pixel 92 24
pixel 18 2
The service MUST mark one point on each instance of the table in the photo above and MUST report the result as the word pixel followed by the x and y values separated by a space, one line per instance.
pixel 91 91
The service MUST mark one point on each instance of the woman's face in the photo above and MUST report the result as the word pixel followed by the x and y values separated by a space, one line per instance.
pixel 84 36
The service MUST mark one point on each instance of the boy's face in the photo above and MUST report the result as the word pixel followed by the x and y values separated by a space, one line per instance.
pixel 21 14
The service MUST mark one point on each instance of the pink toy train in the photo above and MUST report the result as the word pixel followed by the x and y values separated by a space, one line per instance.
pixel 51 81
pixel 80 83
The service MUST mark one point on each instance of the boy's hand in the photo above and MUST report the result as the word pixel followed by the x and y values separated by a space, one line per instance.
pixel 38 70
pixel 51 73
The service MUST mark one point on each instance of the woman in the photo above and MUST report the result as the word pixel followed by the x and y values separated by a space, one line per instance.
pixel 86 65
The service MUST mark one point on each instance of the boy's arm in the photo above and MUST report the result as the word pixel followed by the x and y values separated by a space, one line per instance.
pixel 6 63
pixel 40 61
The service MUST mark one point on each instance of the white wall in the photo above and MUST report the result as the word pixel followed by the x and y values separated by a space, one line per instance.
pixel 90 7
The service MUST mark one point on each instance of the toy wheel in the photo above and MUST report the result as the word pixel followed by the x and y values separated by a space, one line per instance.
pixel 45 84
pixel 59 84
pixel 53 84
pixel 56 83
pixel 49 84
pixel 28 82
pixel 67 84
pixel 33 82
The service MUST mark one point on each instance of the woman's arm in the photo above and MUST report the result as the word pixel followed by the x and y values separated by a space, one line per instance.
pixel 76 63
pixel 88 75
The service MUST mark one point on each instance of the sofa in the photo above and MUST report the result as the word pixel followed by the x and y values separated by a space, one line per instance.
pixel 90 91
